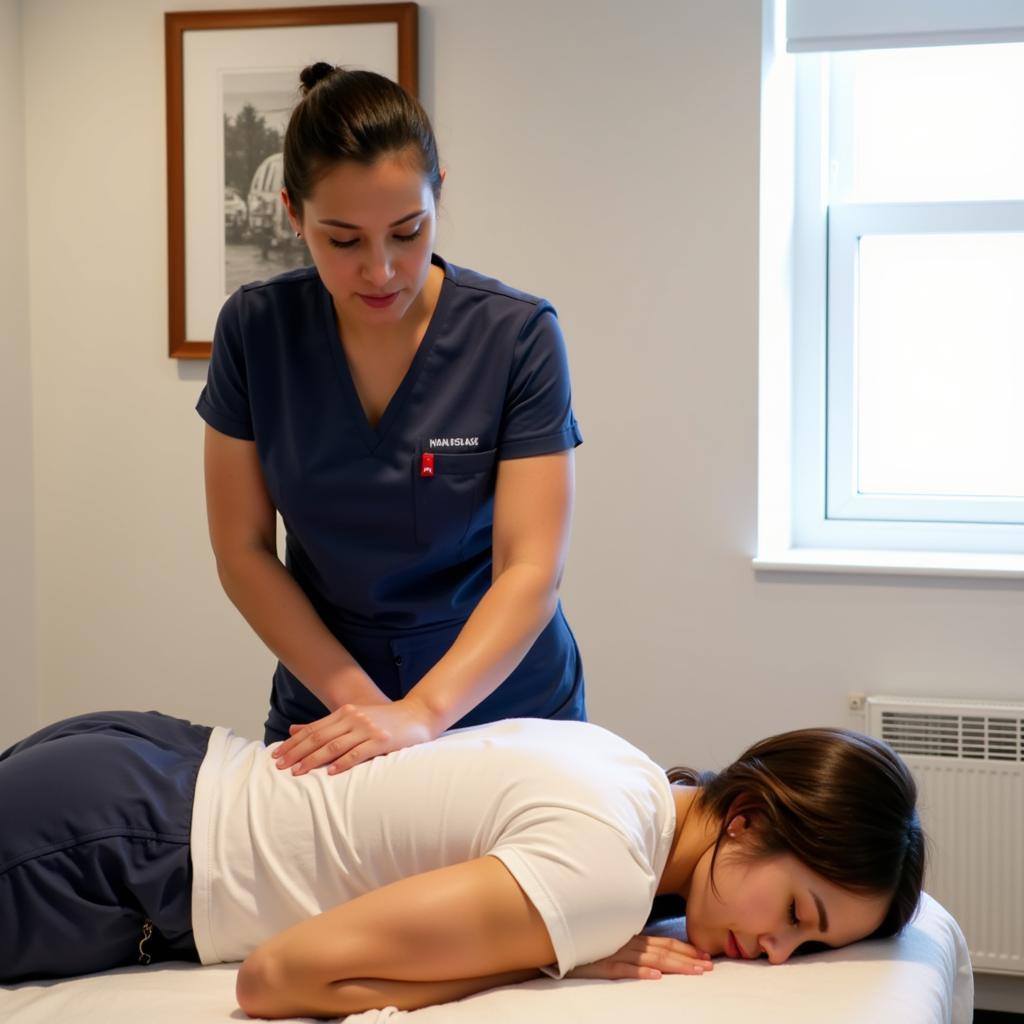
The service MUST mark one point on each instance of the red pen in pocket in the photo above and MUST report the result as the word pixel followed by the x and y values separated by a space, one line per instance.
pixel 427 464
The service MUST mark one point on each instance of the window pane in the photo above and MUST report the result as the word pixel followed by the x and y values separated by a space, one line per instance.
pixel 936 124
pixel 940 365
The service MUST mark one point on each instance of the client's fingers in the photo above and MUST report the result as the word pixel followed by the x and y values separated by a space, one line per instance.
pixel 648 957
pixel 667 955
pixel 673 963
pixel 614 968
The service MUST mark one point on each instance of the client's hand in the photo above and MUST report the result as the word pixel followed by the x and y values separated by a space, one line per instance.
pixel 647 956
pixel 352 734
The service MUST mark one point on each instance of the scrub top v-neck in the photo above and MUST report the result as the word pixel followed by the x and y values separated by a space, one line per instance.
pixel 389 527
pixel 373 435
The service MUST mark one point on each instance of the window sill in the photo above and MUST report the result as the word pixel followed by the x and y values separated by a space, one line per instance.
pixel 899 563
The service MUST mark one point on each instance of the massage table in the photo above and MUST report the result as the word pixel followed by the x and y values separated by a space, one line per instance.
pixel 921 977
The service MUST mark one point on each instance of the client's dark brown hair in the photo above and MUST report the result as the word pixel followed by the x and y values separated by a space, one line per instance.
pixel 841 802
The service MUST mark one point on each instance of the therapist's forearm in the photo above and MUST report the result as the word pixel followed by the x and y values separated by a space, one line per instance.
pixel 494 640
pixel 274 605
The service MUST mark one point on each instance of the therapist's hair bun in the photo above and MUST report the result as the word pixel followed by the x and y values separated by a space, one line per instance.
pixel 350 114
pixel 314 73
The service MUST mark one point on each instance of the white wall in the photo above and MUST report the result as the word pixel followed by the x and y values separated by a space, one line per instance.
pixel 17 569
pixel 130 612
pixel 603 154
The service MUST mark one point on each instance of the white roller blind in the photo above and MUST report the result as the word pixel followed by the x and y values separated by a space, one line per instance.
pixel 873 24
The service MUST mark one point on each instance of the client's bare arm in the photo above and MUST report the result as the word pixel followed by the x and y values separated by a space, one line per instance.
pixel 427 939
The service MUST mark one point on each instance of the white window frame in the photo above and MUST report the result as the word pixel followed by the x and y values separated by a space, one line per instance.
pixel 797 529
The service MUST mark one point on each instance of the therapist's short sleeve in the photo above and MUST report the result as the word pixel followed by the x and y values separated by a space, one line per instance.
pixel 224 402
pixel 538 417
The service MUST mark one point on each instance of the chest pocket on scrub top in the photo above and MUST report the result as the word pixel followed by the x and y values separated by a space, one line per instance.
pixel 445 501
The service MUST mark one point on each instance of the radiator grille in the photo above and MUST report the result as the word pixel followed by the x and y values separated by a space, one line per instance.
pixel 986 737
pixel 967 758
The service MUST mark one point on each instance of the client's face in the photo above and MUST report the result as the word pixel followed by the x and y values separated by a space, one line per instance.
pixel 770 907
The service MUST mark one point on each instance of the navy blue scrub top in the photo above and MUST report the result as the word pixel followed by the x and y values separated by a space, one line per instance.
pixel 389 527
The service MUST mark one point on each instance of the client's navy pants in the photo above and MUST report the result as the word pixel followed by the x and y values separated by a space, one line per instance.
pixel 95 815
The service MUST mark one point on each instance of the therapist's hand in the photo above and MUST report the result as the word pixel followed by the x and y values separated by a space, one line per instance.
pixel 352 734
pixel 647 956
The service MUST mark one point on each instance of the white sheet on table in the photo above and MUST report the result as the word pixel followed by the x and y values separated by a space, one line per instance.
pixel 923 977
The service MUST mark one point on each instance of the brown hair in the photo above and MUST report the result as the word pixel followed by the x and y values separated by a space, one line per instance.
pixel 842 803
pixel 352 115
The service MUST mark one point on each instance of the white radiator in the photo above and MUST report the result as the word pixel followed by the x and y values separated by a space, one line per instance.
pixel 967 757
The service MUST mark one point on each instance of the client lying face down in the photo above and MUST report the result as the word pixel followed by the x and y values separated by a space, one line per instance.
pixel 818 841
pixel 439 870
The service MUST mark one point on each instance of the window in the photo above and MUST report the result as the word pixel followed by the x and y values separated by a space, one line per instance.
pixel 894 423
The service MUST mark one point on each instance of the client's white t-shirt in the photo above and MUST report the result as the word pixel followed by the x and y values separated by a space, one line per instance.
pixel 581 818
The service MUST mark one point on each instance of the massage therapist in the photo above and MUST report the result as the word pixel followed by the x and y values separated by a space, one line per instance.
pixel 411 421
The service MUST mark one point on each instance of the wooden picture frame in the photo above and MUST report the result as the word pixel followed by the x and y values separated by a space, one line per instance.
pixel 218 62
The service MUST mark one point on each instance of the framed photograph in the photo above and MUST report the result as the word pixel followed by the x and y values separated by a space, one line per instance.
pixel 232 81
